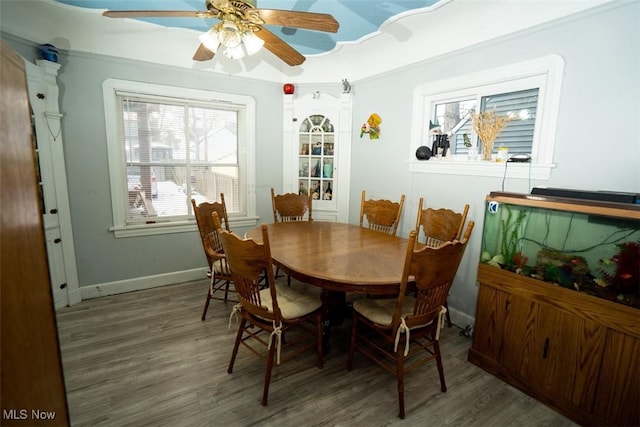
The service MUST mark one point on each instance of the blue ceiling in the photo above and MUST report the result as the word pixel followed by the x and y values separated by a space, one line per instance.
pixel 357 18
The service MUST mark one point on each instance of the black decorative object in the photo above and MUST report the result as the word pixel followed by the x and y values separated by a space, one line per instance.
pixel 423 153
pixel 440 145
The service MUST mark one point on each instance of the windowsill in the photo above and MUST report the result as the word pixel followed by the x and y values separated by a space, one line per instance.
pixel 123 231
pixel 482 168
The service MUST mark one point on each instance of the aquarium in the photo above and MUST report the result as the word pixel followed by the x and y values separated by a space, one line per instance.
pixel 587 246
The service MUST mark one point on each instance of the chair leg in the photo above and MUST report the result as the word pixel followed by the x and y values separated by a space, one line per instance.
pixel 234 353
pixel 352 346
pixel 206 303
pixel 447 314
pixel 267 374
pixel 226 290
pixel 400 376
pixel 436 348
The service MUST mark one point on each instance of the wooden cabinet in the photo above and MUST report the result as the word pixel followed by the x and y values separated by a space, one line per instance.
pixel 573 351
pixel 317 149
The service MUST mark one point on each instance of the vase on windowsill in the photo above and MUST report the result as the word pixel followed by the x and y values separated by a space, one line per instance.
pixel 487 148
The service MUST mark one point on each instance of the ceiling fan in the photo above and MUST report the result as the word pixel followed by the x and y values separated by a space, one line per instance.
pixel 241 29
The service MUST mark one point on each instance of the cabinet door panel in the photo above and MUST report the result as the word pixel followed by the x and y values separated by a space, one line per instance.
pixel 618 393
pixel 555 351
pixel 489 324
pixel 519 337
pixel 591 337
pixel 55 255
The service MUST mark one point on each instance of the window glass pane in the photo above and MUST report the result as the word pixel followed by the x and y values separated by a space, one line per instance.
pixel 453 119
pixel 174 152
pixel 521 107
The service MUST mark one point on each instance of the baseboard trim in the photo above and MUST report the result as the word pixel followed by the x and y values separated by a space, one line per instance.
pixel 139 283
pixel 461 319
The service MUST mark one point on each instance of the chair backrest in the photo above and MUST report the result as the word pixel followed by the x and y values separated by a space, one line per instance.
pixel 381 215
pixel 206 227
pixel 248 262
pixel 440 225
pixel 290 207
pixel 433 270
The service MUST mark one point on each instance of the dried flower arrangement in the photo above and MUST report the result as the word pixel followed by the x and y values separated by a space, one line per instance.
pixel 488 125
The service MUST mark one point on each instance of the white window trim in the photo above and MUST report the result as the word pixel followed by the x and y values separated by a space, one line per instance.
pixel 120 229
pixel 546 71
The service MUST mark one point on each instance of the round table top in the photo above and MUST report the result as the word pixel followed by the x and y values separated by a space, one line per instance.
pixel 336 256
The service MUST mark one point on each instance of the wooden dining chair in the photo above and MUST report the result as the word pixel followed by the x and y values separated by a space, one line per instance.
pixel 403 333
pixel 290 207
pixel 274 311
pixel 219 275
pixel 440 226
pixel 380 215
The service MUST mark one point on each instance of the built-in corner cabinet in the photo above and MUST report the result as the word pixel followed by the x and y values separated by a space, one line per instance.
pixel 43 97
pixel 317 151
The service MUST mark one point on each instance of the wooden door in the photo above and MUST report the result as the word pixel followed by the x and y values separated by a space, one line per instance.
pixel 554 352
pixel 32 386
pixel 520 322
pixel 618 392
pixel 490 323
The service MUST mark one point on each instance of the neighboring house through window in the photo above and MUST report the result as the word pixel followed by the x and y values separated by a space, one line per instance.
pixel 168 145
pixel 527 93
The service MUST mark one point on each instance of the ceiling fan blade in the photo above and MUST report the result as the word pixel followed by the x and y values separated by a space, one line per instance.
pixel 158 14
pixel 202 53
pixel 279 48
pixel 305 20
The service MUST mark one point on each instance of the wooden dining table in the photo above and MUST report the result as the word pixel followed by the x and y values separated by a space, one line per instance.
pixel 337 257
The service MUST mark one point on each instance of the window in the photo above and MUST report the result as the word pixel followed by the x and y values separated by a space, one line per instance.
pixel 454 119
pixel 167 145
pixel 528 93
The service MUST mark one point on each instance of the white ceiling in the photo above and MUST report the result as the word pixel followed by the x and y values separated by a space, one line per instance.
pixel 358 18
pixel 403 39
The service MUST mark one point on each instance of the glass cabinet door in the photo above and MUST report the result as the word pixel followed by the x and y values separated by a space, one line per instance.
pixel 317 151
pixel 316 148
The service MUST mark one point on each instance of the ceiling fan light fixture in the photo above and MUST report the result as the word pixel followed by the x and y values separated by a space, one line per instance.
pixel 252 43
pixel 235 52
pixel 229 34
pixel 210 39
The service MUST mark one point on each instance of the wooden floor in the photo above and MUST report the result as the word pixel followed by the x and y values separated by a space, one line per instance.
pixel 146 359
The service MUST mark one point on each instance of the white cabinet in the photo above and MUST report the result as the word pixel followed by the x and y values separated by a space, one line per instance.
pixel 43 98
pixel 317 150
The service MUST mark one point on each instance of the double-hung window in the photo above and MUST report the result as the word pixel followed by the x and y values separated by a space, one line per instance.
pixel 168 145
pixel 527 94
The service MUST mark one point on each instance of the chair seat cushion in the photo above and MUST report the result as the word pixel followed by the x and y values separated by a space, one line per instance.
pixel 380 310
pixel 293 303
pixel 220 267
